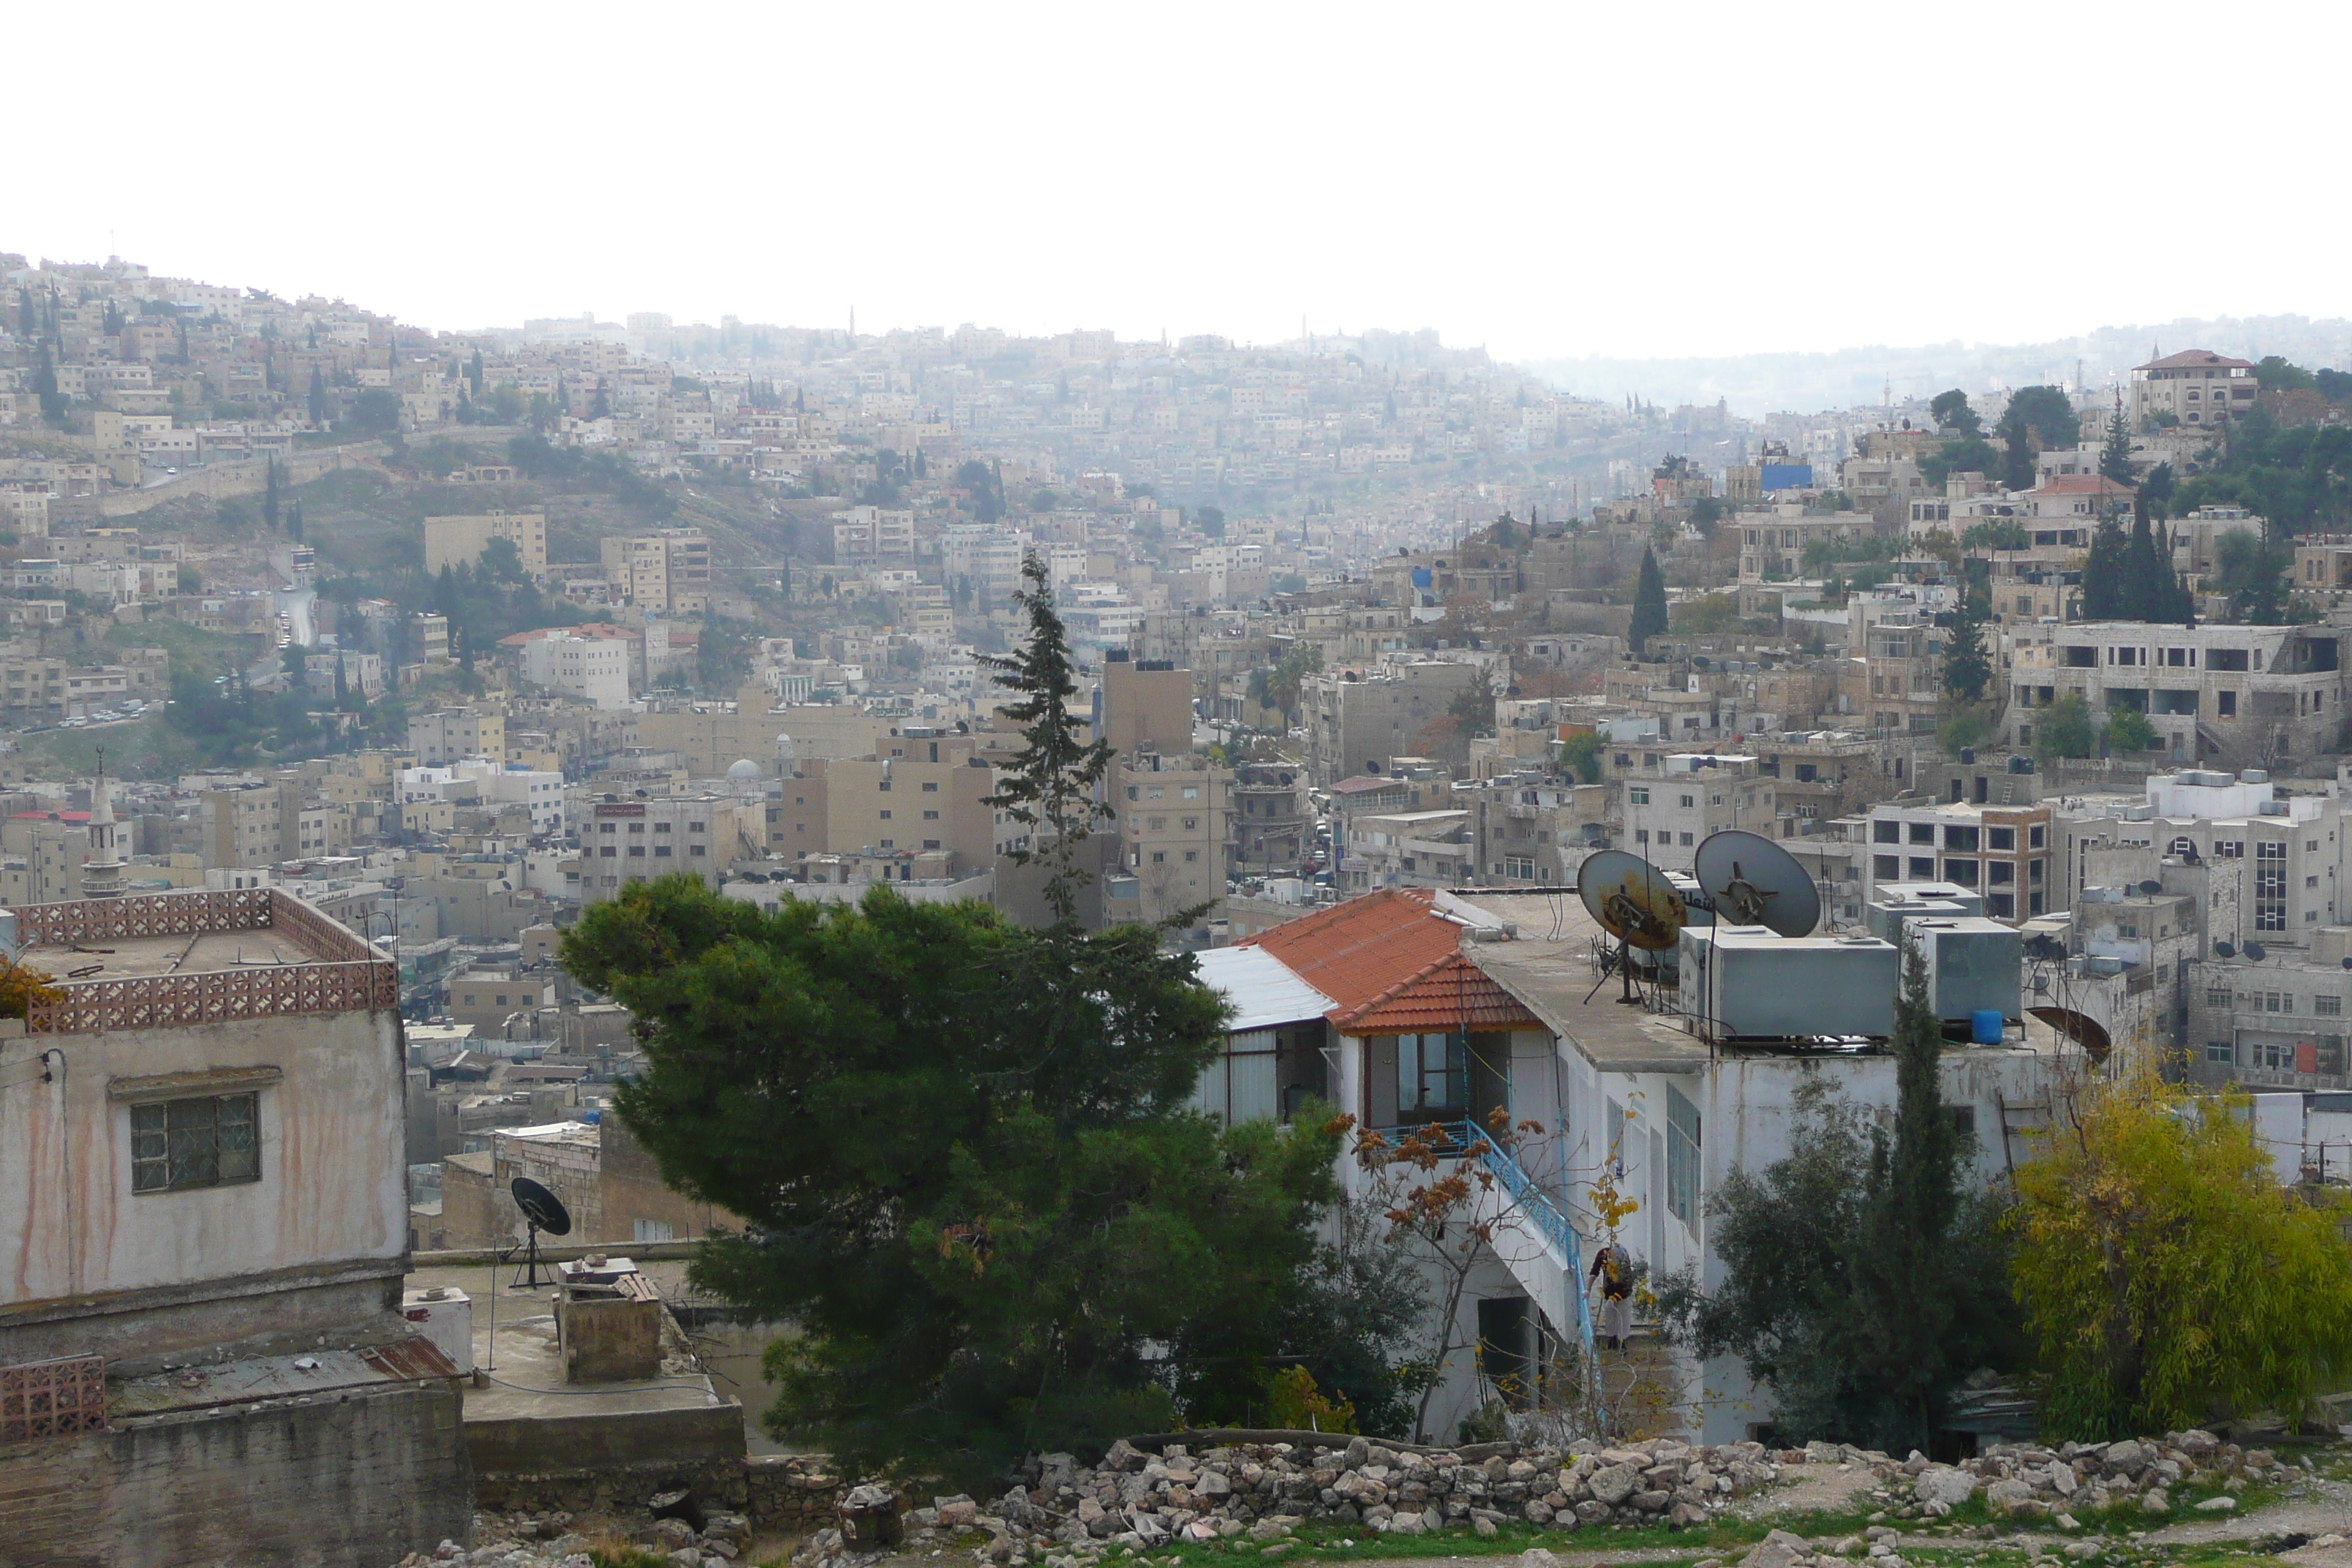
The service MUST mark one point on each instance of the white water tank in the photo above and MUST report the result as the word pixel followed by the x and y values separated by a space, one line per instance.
pixel 445 1315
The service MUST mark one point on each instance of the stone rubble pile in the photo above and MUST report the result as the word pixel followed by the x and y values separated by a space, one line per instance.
pixel 550 1542
pixel 1065 1515
pixel 2022 1481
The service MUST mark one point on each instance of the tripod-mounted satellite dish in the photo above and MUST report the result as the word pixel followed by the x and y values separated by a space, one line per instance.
pixel 1634 902
pixel 541 1210
pixel 1753 881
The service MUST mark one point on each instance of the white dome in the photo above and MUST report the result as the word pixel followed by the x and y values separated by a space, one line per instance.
pixel 743 768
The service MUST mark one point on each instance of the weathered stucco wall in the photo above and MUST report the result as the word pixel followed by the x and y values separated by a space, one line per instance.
pixel 333 1188
pixel 350 1480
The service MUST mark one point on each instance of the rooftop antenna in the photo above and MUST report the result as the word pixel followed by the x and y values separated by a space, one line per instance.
pixel 1753 881
pixel 1633 901
pixel 541 1210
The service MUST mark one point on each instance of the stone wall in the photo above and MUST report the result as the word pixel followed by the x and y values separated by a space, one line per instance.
pixel 779 1492
pixel 352 1479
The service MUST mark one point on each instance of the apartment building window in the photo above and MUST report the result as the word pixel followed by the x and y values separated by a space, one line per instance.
pixel 1682 1157
pixel 2327 1006
pixel 208 1142
pixel 2003 905
pixel 661 828
pixel 2278 1002
pixel 2270 884
pixel 1923 833
pixel 661 851
pixel 1923 868
pixel 2217 996
pixel 886 813
pixel 931 786
pixel 1638 796
pixel 2229 849
pixel 1887 866
pixel 1887 832
pixel 2220 1051
pixel 2033 837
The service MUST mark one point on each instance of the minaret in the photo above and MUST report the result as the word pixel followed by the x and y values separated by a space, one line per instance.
pixel 101 873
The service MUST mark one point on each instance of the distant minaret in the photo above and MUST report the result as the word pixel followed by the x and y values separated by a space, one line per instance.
pixel 101 873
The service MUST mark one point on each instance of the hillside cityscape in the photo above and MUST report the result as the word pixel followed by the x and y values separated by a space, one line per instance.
pixel 638 941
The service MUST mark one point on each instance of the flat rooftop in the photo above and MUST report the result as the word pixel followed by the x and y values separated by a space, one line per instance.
pixel 1547 966
pixel 130 957
pixel 134 961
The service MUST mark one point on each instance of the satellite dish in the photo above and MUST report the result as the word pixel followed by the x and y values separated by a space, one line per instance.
pixel 1633 901
pixel 2255 951
pixel 1753 881
pixel 2151 888
pixel 2223 950
pixel 541 1210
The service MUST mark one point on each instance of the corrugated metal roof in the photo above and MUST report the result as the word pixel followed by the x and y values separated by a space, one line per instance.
pixel 1263 991
pixel 282 1377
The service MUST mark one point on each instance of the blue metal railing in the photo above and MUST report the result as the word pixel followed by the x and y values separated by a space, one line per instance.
pixel 1454 1140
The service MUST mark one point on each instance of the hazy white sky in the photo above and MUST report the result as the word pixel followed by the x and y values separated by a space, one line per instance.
pixel 1552 179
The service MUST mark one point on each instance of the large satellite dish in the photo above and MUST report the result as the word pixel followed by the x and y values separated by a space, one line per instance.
pixel 1633 901
pixel 1753 881
pixel 541 1210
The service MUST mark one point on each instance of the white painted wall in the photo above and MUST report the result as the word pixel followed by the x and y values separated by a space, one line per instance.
pixel 333 1188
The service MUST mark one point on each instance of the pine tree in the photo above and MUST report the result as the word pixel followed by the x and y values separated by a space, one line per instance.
pixel 2115 457
pixel 294 523
pixel 1649 603
pixel 318 409
pixel 2103 574
pixel 1049 786
pixel 1967 667
pixel 601 407
pixel 2017 473
pixel 2146 582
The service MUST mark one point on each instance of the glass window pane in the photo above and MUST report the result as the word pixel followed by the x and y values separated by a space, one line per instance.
pixel 1408 1072
pixel 240 1148
pixel 194 1158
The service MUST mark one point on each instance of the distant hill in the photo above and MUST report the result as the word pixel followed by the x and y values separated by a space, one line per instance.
pixel 1757 385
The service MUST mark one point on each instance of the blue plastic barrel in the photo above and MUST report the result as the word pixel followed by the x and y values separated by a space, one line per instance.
pixel 1984 1025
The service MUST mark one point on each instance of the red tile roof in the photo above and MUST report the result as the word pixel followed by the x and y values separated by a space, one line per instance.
pixel 1391 965
pixel 2196 359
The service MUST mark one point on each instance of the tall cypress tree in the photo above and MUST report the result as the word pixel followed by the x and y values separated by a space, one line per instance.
pixel 270 497
pixel 2103 574
pixel 1967 667
pixel 1049 786
pixel 2146 594
pixel 2115 457
pixel 1649 603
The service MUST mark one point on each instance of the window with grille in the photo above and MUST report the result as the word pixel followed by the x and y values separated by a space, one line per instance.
pixel 210 1141
pixel 1682 1157
pixel 2269 885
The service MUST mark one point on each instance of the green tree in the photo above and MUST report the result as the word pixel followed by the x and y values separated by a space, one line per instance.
pixel 2253 575
pixel 2038 419
pixel 2000 533
pixel 1210 520
pixel 375 411
pixel 1860 1283
pixel 957 1146
pixel 2065 729
pixel 2114 455
pixel 318 398
pixel 1950 411
pixel 1049 786
pixel 1581 752
pixel 2167 1277
pixel 1961 728
pixel 1649 603
pixel 1968 669
pixel 2103 573
pixel 2277 375
pixel 2129 730
pixel 270 497
pixel 1284 682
